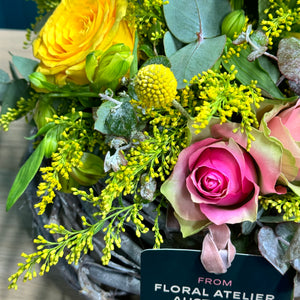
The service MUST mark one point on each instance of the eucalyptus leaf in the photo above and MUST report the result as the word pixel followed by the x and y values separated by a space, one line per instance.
pixel 4 77
pixel 294 249
pixel 295 87
pixel 13 71
pixel 14 91
pixel 171 44
pixel 183 19
pixel 286 230
pixel 25 175
pixel 188 20
pixel 288 55
pixel 271 249
pixel 24 65
pixel 196 58
pixel 4 83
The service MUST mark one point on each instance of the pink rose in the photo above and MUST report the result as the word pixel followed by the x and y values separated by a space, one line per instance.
pixel 269 156
pixel 285 126
pixel 213 181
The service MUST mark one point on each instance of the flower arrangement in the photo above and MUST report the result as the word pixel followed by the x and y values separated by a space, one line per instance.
pixel 189 106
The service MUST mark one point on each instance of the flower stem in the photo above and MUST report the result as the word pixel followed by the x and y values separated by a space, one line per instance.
pixel 178 106
pixel 106 97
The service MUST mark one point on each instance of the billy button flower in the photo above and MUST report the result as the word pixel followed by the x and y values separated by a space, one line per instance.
pixel 156 87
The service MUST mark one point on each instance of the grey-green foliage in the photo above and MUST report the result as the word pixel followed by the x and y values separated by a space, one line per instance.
pixel 196 25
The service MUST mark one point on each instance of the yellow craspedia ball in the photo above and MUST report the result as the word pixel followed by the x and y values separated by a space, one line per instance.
pixel 155 86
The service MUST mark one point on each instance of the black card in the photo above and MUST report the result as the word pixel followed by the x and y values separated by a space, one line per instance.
pixel 179 275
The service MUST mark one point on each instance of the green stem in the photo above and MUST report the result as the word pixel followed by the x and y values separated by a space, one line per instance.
pixel 179 107
pixel 80 94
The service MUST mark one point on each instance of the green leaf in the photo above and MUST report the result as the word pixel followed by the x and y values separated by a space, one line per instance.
pixel 269 67
pixel 187 20
pixel 24 65
pixel 189 228
pixel 171 44
pixel 249 71
pixel 159 60
pixel 14 91
pixel 25 175
pixel 134 64
pixel 147 49
pixel 42 131
pixel 121 120
pixel 102 114
pixel 196 58
pixel 262 5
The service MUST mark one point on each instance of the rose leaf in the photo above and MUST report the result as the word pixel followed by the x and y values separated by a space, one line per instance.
pixel 196 58
pixel 271 249
pixel 288 55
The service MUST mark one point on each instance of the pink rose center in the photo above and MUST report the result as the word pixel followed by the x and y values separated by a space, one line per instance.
pixel 209 182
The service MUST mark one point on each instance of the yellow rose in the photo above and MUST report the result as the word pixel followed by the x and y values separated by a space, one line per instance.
pixel 76 28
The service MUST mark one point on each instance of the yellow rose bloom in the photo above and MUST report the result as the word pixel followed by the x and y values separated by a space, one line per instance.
pixel 76 28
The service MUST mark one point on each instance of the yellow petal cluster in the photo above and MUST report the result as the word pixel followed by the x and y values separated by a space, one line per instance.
pixel 76 28
pixel 155 86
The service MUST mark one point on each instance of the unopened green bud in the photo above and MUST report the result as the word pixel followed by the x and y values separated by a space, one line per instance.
pixel 67 184
pixel 50 142
pixel 236 4
pixel 90 170
pixel 233 23
pixel 43 111
pixel 39 81
pixel 105 70
pixel 52 137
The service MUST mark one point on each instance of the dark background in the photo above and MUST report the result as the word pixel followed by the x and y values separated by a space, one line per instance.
pixel 17 14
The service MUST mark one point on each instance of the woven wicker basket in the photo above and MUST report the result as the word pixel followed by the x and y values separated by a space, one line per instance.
pixel 120 279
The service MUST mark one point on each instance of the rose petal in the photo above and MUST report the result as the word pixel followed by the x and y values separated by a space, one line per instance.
pixel 245 211
pixel 266 154
pixel 174 189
